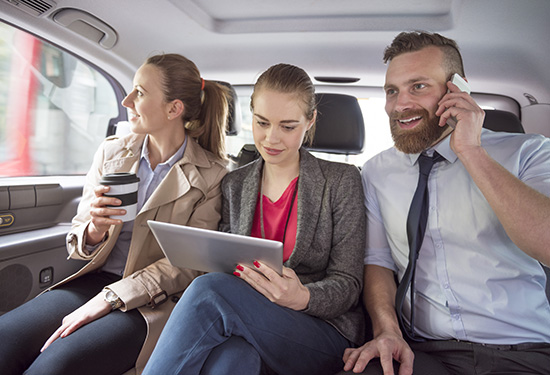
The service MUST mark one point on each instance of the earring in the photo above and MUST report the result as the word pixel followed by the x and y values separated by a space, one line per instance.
pixel 169 118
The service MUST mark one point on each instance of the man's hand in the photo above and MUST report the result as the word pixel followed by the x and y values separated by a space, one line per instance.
pixel 387 347
pixel 469 116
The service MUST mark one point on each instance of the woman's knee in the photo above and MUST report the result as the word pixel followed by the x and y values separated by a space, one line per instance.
pixel 233 355
pixel 213 281
pixel 214 284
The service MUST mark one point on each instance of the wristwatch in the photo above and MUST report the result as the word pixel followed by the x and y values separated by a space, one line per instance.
pixel 112 298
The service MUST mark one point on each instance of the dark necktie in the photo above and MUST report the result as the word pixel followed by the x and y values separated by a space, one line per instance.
pixel 416 226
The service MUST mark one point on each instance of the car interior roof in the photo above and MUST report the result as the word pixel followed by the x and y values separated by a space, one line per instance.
pixel 504 42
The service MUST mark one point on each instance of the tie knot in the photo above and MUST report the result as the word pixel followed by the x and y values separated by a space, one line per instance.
pixel 426 162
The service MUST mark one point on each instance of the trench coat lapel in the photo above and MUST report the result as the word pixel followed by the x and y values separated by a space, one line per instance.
pixel 128 159
pixel 180 178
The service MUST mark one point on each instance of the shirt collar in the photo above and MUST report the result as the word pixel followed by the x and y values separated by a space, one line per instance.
pixel 443 148
pixel 171 161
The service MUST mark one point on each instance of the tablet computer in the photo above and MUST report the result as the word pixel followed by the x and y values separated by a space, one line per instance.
pixel 213 251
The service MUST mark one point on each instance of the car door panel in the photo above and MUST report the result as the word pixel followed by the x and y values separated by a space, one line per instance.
pixel 36 219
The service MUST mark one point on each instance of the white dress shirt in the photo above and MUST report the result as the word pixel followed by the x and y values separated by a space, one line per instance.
pixel 472 282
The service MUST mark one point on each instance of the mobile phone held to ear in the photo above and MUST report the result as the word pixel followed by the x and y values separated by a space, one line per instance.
pixel 463 86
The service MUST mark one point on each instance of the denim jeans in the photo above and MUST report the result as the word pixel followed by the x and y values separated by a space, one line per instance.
pixel 221 325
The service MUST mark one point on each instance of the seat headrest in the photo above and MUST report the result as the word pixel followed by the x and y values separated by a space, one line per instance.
pixel 340 128
pixel 234 118
pixel 502 121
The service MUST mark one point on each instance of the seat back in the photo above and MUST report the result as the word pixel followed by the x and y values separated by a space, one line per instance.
pixel 502 121
pixel 340 127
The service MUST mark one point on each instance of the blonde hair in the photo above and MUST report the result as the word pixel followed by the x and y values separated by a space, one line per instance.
pixel 290 79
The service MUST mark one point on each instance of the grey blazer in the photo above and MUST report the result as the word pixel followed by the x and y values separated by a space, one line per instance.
pixel 330 240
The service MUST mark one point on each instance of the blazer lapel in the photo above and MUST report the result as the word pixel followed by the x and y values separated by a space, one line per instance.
pixel 249 198
pixel 311 186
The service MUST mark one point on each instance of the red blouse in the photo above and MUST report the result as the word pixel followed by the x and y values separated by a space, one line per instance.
pixel 275 218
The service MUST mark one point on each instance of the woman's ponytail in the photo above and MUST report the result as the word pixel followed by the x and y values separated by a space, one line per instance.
pixel 205 102
pixel 210 126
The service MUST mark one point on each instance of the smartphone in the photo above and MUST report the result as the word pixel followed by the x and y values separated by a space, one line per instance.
pixel 463 86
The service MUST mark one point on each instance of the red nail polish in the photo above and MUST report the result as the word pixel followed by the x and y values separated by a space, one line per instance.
pixel 240 268
pixel 257 264
pixel 237 274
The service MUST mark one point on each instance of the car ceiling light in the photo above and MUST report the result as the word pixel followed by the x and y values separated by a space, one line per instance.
pixel 337 79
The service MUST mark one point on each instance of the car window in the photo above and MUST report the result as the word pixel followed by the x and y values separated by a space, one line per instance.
pixel 54 108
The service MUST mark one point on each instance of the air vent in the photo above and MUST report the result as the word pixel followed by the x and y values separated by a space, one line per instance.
pixel 33 7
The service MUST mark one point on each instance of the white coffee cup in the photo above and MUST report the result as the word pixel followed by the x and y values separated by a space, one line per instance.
pixel 124 186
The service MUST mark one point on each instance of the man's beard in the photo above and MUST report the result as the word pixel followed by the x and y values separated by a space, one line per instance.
pixel 419 138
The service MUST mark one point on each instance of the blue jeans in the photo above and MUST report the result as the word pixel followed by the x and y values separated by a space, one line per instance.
pixel 221 325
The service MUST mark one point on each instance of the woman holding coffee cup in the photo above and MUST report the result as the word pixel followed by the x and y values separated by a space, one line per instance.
pixel 106 318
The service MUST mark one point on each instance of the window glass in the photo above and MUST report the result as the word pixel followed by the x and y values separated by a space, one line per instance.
pixel 377 132
pixel 54 108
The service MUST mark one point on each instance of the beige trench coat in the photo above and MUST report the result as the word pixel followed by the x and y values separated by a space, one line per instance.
pixel 189 194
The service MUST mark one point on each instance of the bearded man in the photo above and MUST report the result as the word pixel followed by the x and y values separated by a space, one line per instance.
pixel 474 302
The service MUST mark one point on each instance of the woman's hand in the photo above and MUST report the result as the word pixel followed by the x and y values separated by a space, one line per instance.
pixel 90 311
pixel 285 290
pixel 101 222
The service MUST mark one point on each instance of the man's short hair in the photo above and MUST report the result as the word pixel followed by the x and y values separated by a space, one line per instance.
pixel 416 40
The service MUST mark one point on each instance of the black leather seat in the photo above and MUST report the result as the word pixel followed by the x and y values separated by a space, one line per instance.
pixel 502 121
pixel 340 126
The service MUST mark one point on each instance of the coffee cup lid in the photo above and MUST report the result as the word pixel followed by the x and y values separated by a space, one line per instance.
pixel 119 178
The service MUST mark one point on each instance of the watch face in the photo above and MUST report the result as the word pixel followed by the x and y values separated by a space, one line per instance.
pixel 113 299
pixel 110 296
